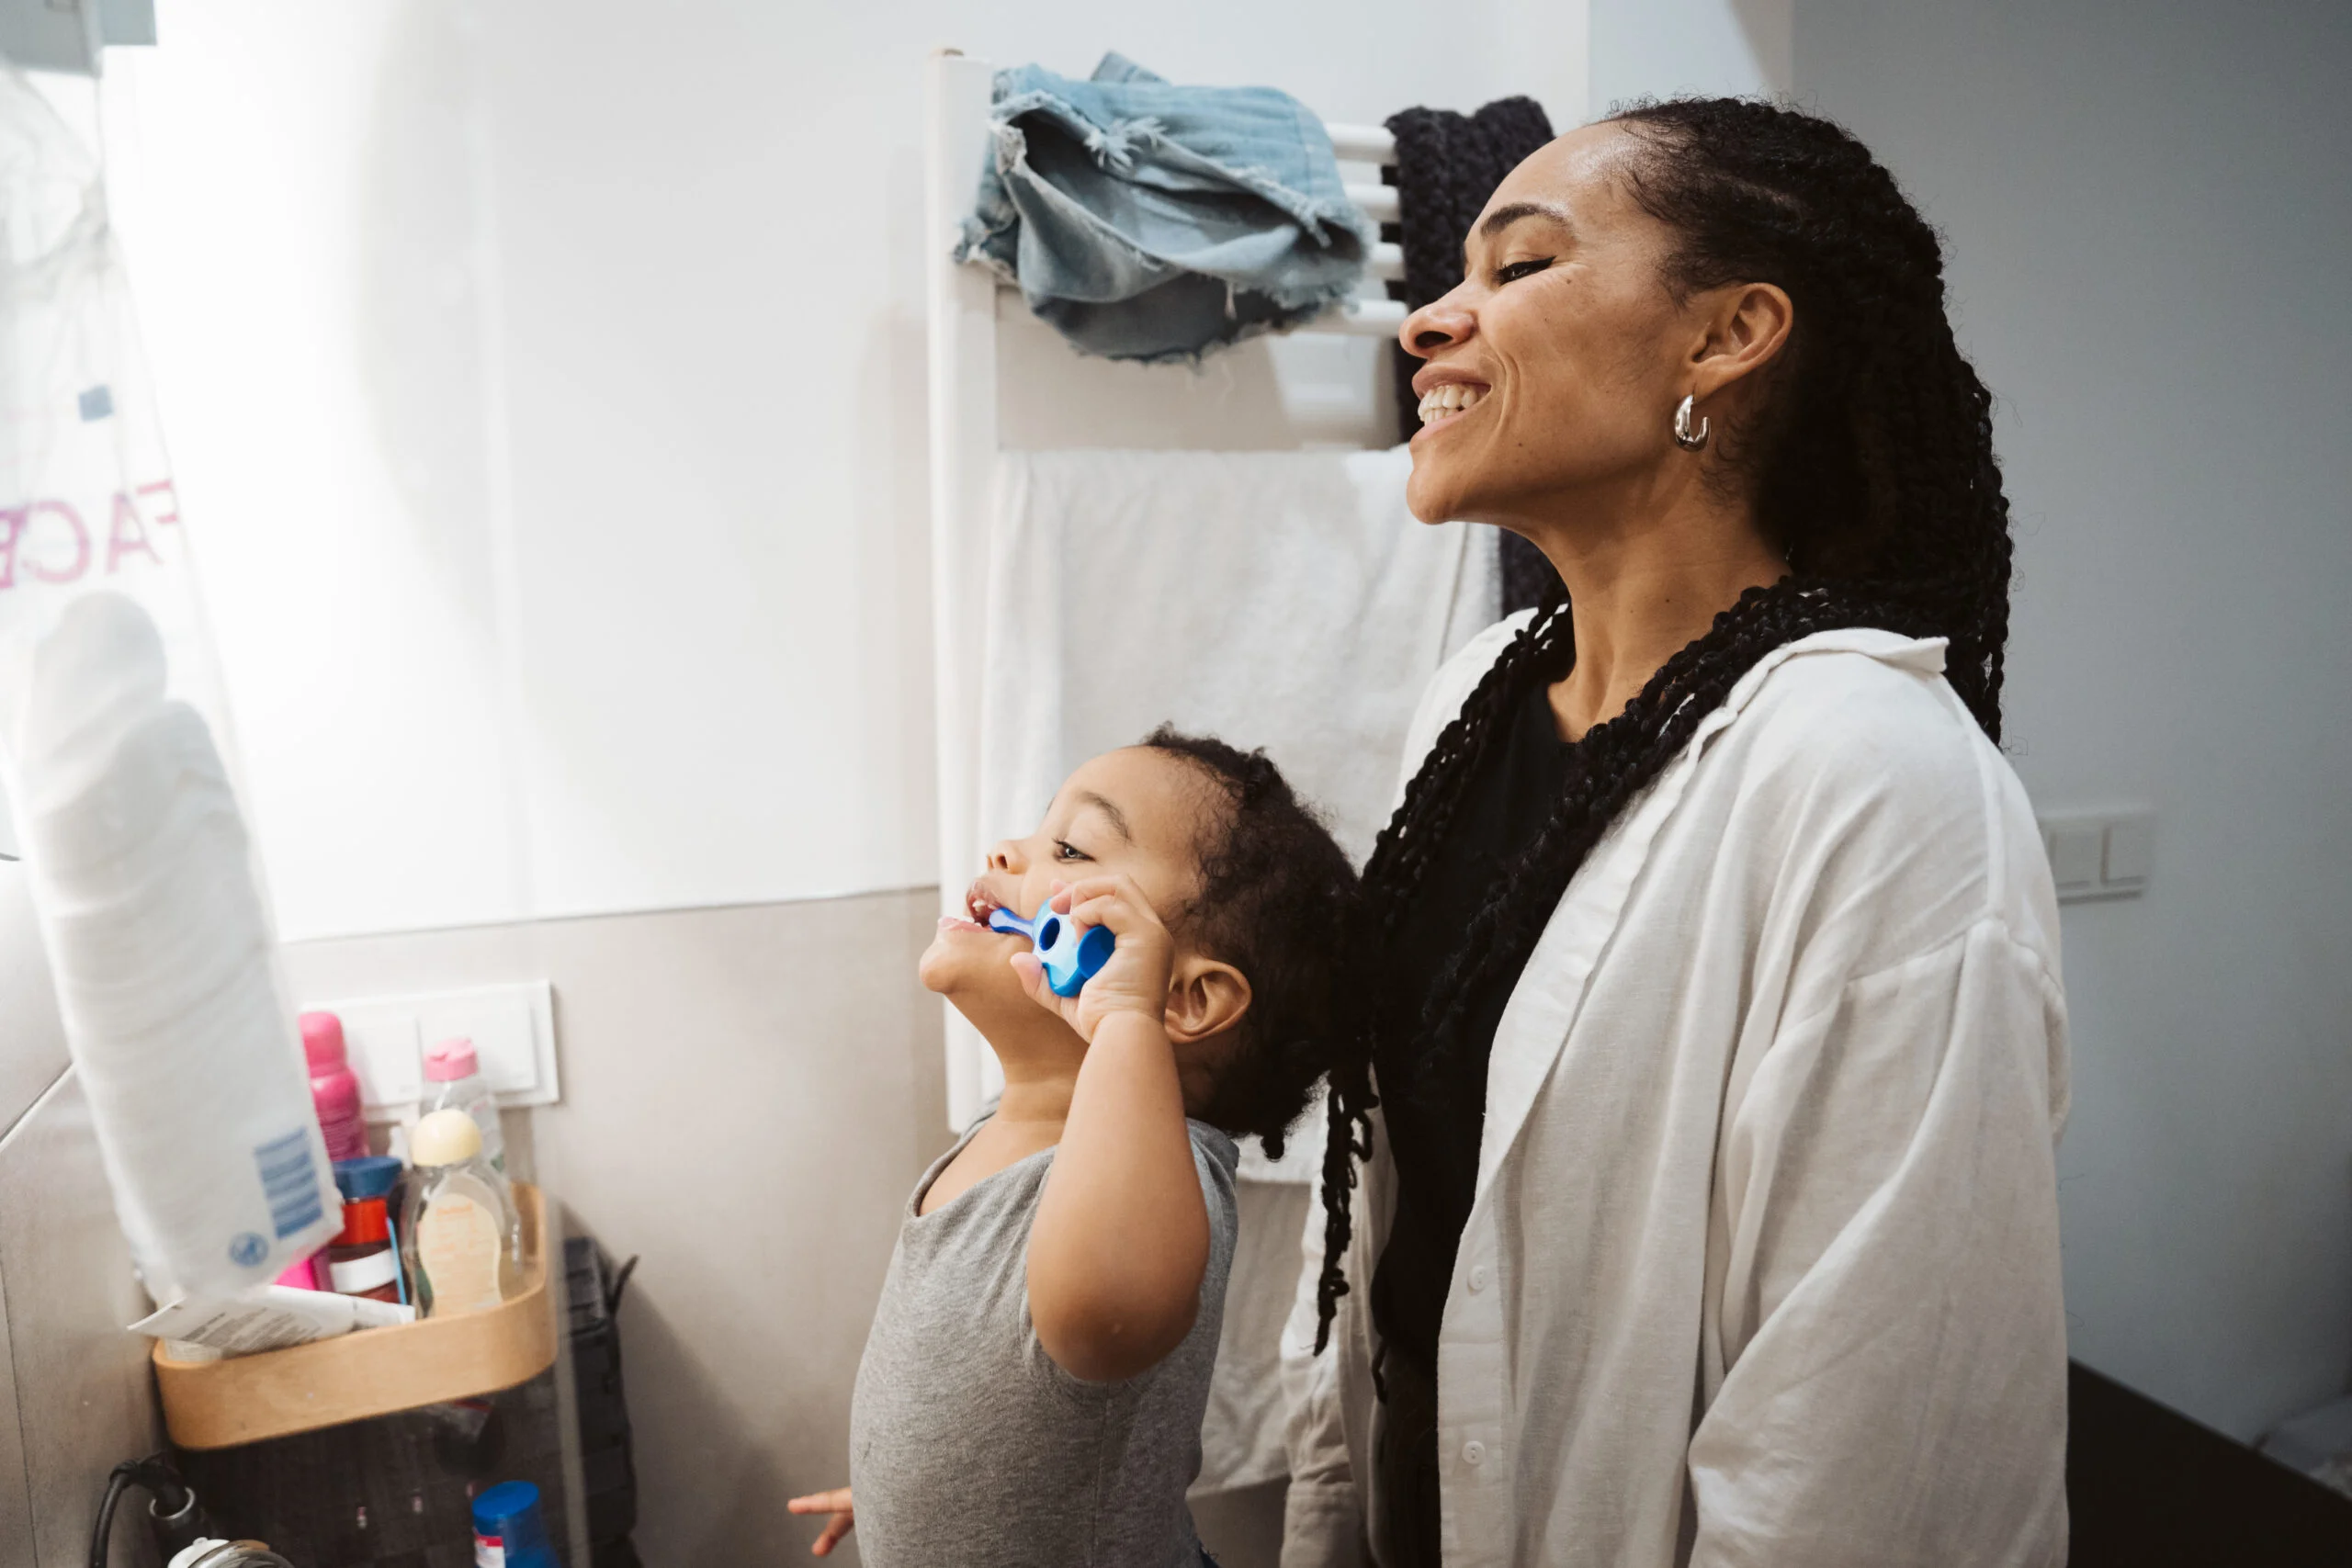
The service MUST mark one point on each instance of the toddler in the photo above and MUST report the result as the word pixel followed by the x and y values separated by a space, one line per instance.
pixel 1033 1386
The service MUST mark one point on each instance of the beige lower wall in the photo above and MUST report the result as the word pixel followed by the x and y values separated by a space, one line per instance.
pixel 32 1035
pixel 748 1096
pixel 85 1399
pixel 75 1395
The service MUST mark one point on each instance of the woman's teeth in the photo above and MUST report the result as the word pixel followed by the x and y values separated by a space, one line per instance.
pixel 1453 397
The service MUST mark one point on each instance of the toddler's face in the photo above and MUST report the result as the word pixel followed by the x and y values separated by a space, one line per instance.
pixel 1135 811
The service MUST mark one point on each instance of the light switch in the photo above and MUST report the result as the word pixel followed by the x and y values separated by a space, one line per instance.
pixel 2130 847
pixel 512 1028
pixel 381 1043
pixel 2075 849
pixel 2099 854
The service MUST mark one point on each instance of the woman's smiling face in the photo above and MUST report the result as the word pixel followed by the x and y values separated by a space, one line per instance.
pixel 1556 366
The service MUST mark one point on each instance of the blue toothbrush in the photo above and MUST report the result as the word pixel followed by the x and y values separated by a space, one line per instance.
pixel 1071 957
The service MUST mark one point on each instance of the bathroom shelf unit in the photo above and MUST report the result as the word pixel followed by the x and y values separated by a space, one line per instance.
pixel 374 1371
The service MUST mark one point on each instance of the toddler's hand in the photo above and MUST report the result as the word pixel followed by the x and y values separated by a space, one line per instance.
pixel 835 1503
pixel 1135 978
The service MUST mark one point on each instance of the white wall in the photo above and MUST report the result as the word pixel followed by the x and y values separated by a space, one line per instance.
pixel 1661 48
pixel 2148 219
pixel 544 383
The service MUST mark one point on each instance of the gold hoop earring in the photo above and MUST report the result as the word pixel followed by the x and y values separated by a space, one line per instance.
pixel 1684 436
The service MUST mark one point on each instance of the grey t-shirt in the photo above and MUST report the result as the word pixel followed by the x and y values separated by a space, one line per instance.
pixel 969 1448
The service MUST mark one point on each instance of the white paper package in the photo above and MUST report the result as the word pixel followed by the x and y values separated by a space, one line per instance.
pixel 115 749
pixel 268 1319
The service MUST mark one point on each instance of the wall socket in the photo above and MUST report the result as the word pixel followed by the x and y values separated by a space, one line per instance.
pixel 513 1029
pixel 2099 854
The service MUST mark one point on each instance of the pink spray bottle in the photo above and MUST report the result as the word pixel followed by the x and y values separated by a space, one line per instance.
pixel 334 1098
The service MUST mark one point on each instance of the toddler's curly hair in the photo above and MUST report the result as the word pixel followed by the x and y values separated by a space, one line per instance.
pixel 1275 894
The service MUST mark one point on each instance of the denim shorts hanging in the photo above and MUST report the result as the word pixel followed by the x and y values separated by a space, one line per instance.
pixel 1145 220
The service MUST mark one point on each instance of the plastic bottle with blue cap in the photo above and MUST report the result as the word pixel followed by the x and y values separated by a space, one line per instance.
pixel 363 1258
pixel 509 1531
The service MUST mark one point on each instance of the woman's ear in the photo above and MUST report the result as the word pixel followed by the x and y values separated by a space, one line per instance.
pixel 1745 330
pixel 1205 997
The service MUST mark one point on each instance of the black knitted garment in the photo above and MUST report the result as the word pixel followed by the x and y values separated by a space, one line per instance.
pixel 1447 165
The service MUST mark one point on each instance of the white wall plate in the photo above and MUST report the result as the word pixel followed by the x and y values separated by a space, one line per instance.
pixel 512 1028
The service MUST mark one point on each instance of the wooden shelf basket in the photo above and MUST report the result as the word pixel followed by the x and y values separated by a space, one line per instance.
pixel 374 1371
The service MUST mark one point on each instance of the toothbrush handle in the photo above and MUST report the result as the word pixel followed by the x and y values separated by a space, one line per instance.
pixel 1076 959
pixel 1070 957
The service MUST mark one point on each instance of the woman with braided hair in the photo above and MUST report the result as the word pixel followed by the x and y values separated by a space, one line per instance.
pixel 1690 1195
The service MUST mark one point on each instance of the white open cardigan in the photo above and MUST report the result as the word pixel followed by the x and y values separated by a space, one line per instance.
pixel 1763 1266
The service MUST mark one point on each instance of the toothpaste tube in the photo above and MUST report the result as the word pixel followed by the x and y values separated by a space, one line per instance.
pixel 268 1319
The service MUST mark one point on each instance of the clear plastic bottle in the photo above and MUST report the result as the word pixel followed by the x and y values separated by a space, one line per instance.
pixel 460 1226
pixel 453 1081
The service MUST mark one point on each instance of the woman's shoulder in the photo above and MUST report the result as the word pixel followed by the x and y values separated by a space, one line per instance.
pixel 1865 704
pixel 1861 710
pixel 1852 751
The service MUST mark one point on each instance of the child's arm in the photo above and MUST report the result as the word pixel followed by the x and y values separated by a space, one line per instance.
pixel 1121 1235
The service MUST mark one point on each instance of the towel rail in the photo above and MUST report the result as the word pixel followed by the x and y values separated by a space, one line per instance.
pixel 1363 143
pixel 1361 318
pixel 1378 202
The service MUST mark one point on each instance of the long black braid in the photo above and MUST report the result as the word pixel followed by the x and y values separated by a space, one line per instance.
pixel 1869 461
